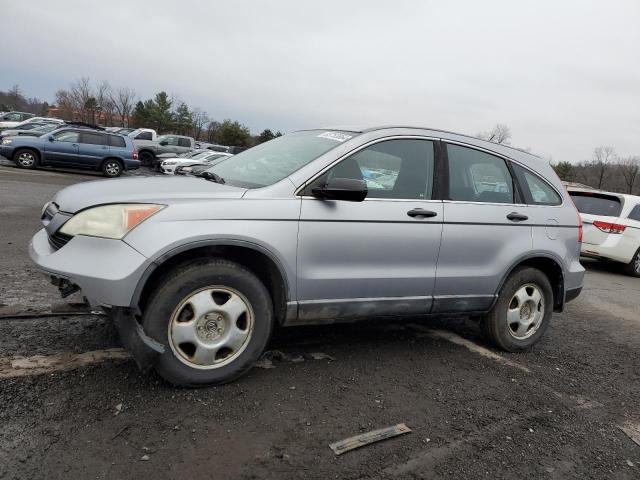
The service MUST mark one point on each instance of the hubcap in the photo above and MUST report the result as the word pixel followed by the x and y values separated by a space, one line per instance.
pixel 637 263
pixel 525 311
pixel 26 159
pixel 112 168
pixel 211 327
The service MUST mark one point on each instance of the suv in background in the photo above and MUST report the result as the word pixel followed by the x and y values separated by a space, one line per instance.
pixel 317 226
pixel 611 226
pixel 73 147
pixel 11 119
pixel 148 150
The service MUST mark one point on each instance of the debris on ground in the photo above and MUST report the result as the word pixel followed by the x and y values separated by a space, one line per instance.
pixel 118 409
pixel 321 356
pixel 358 441
pixel 144 458
pixel 632 431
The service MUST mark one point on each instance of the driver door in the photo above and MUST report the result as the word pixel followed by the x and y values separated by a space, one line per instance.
pixel 378 256
pixel 62 148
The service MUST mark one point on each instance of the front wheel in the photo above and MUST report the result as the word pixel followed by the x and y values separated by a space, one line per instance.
pixel 633 267
pixel 522 312
pixel 26 158
pixel 215 318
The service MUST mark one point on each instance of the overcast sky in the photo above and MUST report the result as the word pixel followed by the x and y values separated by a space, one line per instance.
pixel 563 75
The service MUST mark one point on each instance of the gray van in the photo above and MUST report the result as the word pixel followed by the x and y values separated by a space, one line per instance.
pixel 313 227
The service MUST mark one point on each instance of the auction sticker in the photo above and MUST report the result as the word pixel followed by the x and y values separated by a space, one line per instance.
pixel 337 136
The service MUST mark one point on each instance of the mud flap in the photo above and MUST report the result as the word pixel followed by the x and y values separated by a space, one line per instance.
pixel 144 349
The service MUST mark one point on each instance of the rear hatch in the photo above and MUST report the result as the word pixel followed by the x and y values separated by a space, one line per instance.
pixel 597 207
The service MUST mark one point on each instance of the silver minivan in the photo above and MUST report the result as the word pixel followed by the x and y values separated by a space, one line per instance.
pixel 317 226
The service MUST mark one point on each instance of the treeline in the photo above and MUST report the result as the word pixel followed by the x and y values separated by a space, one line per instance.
pixel 105 105
pixel 606 170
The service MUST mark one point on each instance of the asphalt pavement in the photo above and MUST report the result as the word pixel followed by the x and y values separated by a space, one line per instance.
pixel 73 405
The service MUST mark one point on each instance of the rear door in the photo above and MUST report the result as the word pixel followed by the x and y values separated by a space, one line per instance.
pixel 378 256
pixel 61 148
pixel 184 145
pixel 486 227
pixel 93 149
pixel 118 147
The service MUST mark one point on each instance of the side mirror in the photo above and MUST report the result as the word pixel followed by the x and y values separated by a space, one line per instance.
pixel 164 143
pixel 51 139
pixel 348 189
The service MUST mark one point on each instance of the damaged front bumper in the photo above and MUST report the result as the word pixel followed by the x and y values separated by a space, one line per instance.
pixel 144 349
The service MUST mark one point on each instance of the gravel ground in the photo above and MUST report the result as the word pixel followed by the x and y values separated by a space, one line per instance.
pixel 471 416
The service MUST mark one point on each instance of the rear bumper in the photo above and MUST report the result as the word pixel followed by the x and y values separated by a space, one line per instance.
pixel 131 164
pixel 619 248
pixel 572 294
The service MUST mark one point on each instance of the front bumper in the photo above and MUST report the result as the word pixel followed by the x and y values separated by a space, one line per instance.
pixel 7 151
pixel 107 271
pixel 168 169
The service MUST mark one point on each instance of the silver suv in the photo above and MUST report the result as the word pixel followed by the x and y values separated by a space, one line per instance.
pixel 317 226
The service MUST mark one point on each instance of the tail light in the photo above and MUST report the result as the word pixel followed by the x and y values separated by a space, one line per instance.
pixel 580 226
pixel 609 227
pixel 134 155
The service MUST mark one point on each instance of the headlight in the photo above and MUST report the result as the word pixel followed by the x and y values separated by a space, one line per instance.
pixel 169 163
pixel 7 141
pixel 109 221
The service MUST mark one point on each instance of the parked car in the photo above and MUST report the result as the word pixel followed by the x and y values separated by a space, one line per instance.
pixel 197 168
pixel 11 119
pixel 169 166
pixel 150 149
pixel 143 134
pixel 290 232
pixel 611 226
pixel 26 127
pixel 73 147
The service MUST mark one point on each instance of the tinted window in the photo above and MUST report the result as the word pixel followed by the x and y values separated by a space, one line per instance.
pixel 116 141
pixel 635 213
pixel 171 140
pixel 391 169
pixel 541 193
pixel 67 136
pixel 145 136
pixel 475 176
pixel 597 203
pixel 92 138
pixel 184 142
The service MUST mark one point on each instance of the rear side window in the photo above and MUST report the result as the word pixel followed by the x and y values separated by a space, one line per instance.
pixel 144 136
pixel 92 138
pixel 476 176
pixel 635 213
pixel 116 141
pixel 597 203
pixel 184 142
pixel 537 191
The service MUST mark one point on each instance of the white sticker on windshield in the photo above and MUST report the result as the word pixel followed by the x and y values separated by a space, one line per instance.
pixel 337 136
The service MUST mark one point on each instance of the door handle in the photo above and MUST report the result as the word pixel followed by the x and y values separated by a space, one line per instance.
pixel 420 212
pixel 517 217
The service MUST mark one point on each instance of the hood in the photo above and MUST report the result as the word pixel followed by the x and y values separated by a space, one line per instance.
pixel 142 190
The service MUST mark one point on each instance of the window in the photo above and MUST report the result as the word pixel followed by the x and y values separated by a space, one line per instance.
pixel 475 176
pixel 184 142
pixel 67 136
pixel 635 213
pixel 92 138
pixel 116 141
pixel 144 136
pixel 592 203
pixel 401 169
pixel 169 139
pixel 12 117
pixel 540 192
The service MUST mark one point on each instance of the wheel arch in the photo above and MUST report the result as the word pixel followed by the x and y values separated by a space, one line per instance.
pixel 258 259
pixel 29 148
pixel 548 264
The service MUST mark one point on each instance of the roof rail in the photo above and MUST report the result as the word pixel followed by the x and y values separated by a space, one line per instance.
pixel 85 125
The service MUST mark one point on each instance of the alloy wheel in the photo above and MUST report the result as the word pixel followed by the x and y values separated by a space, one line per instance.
pixel 112 169
pixel 26 159
pixel 525 312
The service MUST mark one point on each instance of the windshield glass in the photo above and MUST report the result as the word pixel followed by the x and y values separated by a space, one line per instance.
pixel 270 162
pixel 200 155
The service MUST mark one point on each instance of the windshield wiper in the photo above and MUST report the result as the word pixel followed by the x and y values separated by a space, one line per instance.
pixel 212 177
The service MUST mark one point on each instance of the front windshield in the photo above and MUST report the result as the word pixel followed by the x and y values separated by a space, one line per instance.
pixel 270 162
pixel 200 155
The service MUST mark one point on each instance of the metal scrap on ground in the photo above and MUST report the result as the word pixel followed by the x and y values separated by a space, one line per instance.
pixel 358 441
pixel 632 430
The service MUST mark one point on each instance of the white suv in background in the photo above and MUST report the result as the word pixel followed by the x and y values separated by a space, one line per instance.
pixel 611 223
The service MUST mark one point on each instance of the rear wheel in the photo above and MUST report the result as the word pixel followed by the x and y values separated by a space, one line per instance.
pixel 522 312
pixel 215 318
pixel 25 158
pixel 146 158
pixel 111 168
pixel 633 267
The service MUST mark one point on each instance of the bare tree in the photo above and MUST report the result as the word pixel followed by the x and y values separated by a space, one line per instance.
pixel 105 107
pixel 630 168
pixel 124 100
pixel 499 134
pixel 81 92
pixel 602 156
pixel 200 119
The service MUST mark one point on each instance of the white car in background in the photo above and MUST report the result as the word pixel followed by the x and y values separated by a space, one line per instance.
pixel 611 223
pixel 169 165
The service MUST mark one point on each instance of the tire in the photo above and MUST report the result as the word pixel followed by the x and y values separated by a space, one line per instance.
pixel 111 168
pixel 233 311
pixel 530 317
pixel 26 158
pixel 146 158
pixel 633 267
